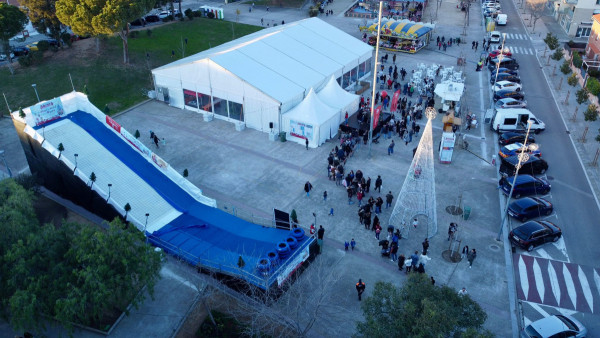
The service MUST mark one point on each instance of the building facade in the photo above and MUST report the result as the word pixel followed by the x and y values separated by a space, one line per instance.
pixel 575 16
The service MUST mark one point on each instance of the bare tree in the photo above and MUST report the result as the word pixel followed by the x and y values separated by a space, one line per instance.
pixel 536 10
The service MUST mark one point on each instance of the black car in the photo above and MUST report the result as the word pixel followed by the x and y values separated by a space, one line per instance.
pixel 533 166
pixel 53 42
pixel 525 185
pixel 138 22
pixel 512 137
pixel 152 18
pixel 530 207
pixel 506 93
pixel 534 233
pixel 20 51
pixel 505 77
pixel 504 70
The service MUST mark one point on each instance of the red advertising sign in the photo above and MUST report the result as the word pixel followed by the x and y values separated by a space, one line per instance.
pixel 376 114
pixel 394 104
pixel 113 124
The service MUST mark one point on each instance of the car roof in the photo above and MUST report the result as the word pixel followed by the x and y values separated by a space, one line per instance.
pixel 513 146
pixel 522 178
pixel 515 159
pixel 549 326
pixel 525 202
pixel 504 82
pixel 511 134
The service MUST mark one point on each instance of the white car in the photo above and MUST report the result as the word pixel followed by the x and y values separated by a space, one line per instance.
pixel 495 36
pixel 555 326
pixel 502 85
pixel 491 4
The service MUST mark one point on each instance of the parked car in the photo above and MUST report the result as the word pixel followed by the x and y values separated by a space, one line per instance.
pixel 138 22
pixel 3 57
pixel 506 62
pixel 504 77
pixel 525 185
pixel 20 51
pixel 505 70
pixel 495 36
pixel 495 53
pixel 534 233
pixel 533 166
pixel 53 42
pixel 510 103
pixel 509 93
pixel 555 326
pixel 152 18
pixel 164 14
pixel 517 148
pixel 506 85
pixel 527 208
pixel 512 137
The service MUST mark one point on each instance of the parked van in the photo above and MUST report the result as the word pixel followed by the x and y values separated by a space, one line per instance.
pixel 508 63
pixel 501 19
pixel 515 119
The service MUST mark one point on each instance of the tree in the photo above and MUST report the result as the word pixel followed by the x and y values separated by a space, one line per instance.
pixel 294 216
pixel 551 41
pixel 137 134
pixel 92 179
pixel 536 9
pixel 12 21
pixel 591 114
pixel 419 309
pixel 185 172
pixel 565 68
pixel 21 113
pixel 577 60
pixel 127 210
pixel 598 136
pixel 572 80
pixel 582 95
pixel 42 14
pixel 61 148
pixel 102 17
pixel 189 13
pixel 558 54
pixel 593 85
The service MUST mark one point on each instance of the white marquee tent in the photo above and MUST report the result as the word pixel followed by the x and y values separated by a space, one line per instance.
pixel 333 95
pixel 312 119
pixel 257 78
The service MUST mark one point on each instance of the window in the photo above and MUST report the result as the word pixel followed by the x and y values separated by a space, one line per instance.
pixel 220 106
pixel 189 98
pixel 510 121
pixel 236 110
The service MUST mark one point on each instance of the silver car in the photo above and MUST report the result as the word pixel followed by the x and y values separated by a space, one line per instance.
pixel 511 103
pixel 555 326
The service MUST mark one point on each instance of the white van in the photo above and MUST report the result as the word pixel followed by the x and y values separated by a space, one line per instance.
pixel 501 19
pixel 515 119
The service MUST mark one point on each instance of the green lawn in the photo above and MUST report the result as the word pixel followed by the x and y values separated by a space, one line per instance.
pixel 277 3
pixel 108 81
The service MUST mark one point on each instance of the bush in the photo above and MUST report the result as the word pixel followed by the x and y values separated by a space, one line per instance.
pixel 593 73
pixel 572 80
pixel 582 95
pixel 25 61
pixel 558 54
pixel 66 39
pixel 134 34
pixel 210 15
pixel 313 11
pixel 593 86
pixel 577 60
pixel 552 41
pixel 198 13
pixel 189 13
pixel 43 46
pixel 168 18
pixel 565 68
pixel 591 114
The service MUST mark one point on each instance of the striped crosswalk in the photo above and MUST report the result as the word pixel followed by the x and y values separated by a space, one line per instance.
pixel 556 283
pixel 520 50
pixel 514 36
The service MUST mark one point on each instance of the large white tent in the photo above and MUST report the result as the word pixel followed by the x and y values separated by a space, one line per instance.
pixel 259 77
pixel 312 119
pixel 336 97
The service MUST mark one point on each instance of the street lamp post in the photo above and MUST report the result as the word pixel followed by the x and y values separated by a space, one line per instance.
pixel 146 224
pixel 74 169
pixel 315 216
pixel 109 185
pixel 6 165
pixel 375 77
pixel 36 93
pixel 523 157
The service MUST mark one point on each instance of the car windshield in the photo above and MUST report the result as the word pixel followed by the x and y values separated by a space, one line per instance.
pixel 568 323
pixel 531 332
pixel 519 233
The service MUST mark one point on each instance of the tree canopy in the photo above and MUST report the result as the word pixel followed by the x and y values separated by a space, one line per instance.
pixel 74 273
pixel 42 14
pixel 420 309
pixel 102 17
pixel 12 21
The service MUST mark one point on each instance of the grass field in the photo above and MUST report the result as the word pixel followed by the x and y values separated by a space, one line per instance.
pixel 108 81
pixel 277 3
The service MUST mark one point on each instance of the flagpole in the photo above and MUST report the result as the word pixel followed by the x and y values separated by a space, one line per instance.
pixel 375 78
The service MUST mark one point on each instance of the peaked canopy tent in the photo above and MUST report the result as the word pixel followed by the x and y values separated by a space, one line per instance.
pixel 239 82
pixel 334 96
pixel 311 120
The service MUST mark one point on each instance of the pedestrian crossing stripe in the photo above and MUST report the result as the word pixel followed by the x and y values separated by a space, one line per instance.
pixel 520 50
pixel 514 36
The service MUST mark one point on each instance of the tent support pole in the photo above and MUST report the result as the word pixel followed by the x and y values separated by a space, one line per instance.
pixel 374 77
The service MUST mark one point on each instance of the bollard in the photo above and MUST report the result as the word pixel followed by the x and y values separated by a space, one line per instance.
pixel 583 137
pixel 560 83
pixel 567 98
pixel 554 71
pixel 545 50
pixel 548 61
pixel 595 161
pixel 574 117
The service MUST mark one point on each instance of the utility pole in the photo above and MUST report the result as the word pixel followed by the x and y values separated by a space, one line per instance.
pixel 375 77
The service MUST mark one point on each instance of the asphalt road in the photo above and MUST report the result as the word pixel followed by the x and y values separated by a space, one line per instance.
pixel 576 211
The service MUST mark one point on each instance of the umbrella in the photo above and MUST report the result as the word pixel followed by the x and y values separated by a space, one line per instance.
pixel 383 94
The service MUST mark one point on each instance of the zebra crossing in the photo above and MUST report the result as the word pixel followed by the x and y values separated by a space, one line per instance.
pixel 514 36
pixel 556 283
pixel 520 50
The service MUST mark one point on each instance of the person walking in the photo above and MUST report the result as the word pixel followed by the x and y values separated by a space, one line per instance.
pixel 462 292
pixel 360 288
pixel 432 281
pixel 388 199
pixel 415 223
pixel 325 196
pixel 391 148
pixel 452 230
pixel 465 251
pixel 414 260
pixel 368 185
pixel 352 244
pixel 394 252
pixel 320 234
pixel 401 261
pixel 377 232
pixel 425 245
pixel 394 59
pixel 471 257
pixel 378 183
pixel 307 188
pixel 306 143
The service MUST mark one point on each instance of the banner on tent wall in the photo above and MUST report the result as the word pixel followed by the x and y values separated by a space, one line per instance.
pixel 301 130
pixel 47 111
pixel 136 143
pixel 293 265
pixel 376 114
pixel 114 124
pixel 395 98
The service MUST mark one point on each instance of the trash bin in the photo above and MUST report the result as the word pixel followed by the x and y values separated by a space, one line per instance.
pixel 282 136
pixel 466 213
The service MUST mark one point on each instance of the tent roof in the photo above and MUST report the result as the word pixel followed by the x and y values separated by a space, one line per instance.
pixel 307 52
pixel 333 95
pixel 311 109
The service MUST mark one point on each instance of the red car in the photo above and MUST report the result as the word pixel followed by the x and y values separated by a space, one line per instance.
pixel 495 53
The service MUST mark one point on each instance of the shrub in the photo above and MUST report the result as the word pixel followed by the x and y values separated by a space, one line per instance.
pixel 43 46
pixel 577 60
pixel 189 13
pixel 551 41
pixel 558 54
pixel 582 95
pixel 593 86
pixel 210 15
pixel 36 57
pixel 565 68
pixel 66 39
pixel 313 11
pixel 591 114
pixel 593 72
pixel 572 80
pixel 25 61
pixel 198 13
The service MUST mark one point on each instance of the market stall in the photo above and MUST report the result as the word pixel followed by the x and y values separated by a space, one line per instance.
pixel 400 36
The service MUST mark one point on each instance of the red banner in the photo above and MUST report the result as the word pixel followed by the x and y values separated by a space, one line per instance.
pixel 394 104
pixel 376 114
pixel 113 124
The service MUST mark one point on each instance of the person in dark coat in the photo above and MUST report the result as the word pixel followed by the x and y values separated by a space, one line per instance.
pixel 425 246
pixel 307 188
pixel 378 183
pixel 401 260
pixel 360 288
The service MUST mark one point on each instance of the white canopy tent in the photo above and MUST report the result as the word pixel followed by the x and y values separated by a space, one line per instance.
pixel 333 95
pixel 311 119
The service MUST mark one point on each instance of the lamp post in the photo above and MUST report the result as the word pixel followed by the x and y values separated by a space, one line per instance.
pixel 375 77
pixel 109 185
pixel 146 224
pixel 500 58
pixel 6 165
pixel 36 93
pixel 315 216
pixel 523 157
pixel 74 169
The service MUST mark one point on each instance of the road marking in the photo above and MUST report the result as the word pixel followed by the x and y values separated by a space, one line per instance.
pixel 585 286
pixel 570 285
pixel 526 321
pixel 554 283
pixel 597 280
pixel 539 280
pixel 542 253
pixel 523 277
pixel 560 245
pixel 539 309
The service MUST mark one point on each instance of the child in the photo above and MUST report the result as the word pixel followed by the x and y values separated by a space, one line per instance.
pixel 346 244
pixel 353 244
pixel 325 196
pixel 331 212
